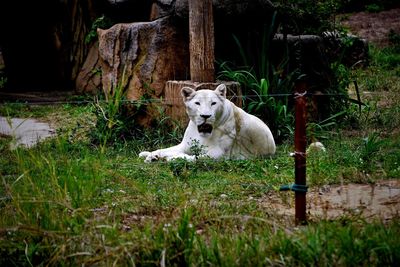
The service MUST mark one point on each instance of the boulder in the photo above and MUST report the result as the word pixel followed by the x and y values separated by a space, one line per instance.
pixel 142 56
pixel 89 77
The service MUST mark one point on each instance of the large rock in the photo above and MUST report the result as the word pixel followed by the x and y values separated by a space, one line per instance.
pixel 142 56
pixel 89 77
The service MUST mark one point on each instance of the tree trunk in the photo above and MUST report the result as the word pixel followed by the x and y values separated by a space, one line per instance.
pixel 201 45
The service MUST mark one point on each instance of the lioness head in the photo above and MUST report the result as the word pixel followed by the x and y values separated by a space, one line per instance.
pixel 204 107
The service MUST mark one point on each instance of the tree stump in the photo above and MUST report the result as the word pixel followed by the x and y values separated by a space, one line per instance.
pixel 175 108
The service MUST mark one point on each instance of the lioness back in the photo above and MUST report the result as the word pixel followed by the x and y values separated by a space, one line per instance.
pixel 255 137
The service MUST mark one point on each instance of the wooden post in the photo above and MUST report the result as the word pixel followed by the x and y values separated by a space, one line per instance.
pixel 300 153
pixel 201 42
pixel 202 72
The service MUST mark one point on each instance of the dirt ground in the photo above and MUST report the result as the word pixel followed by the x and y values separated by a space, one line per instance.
pixel 374 27
pixel 369 201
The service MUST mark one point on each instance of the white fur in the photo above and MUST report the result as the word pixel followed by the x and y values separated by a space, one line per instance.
pixel 316 146
pixel 235 134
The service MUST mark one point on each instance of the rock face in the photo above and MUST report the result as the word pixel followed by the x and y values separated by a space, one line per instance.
pixel 89 77
pixel 142 56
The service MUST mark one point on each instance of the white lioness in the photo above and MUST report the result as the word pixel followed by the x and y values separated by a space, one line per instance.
pixel 222 129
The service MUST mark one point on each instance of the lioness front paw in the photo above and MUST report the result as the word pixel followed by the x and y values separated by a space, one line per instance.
pixel 144 154
pixel 149 156
pixel 152 158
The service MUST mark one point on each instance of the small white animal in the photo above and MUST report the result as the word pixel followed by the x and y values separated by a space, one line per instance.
pixel 315 147
pixel 223 130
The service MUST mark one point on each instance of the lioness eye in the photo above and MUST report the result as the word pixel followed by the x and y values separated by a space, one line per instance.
pixel 213 103
pixel 197 103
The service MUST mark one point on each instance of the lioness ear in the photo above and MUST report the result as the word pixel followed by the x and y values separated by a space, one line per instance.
pixel 187 93
pixel 221 90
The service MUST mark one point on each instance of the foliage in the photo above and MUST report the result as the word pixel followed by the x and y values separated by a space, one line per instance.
pixel 366 5
pixel 308 17
pixel 116 120
pixel 261 80
pixel 373 8
pixel 102 22
pixel 318 16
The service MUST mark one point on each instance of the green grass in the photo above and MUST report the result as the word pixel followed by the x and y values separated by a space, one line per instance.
pixel 68 202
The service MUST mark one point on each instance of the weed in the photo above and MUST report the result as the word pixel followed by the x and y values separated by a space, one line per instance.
pixel 115 117
pixel 371 145
pixel 197 149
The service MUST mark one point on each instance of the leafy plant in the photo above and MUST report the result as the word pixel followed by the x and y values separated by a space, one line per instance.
pixel 266 87
pixel 197 149
pixel 271 109
pixel 371 145
pixel 101 22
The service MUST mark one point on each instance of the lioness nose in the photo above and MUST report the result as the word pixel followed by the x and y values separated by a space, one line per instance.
pixel 205 116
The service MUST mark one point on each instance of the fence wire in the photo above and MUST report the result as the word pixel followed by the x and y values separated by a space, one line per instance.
pixel 168 101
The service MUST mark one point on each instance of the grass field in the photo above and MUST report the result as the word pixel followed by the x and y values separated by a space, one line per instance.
pixel 69 202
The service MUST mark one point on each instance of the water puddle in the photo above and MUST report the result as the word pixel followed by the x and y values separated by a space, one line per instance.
pixel 379 200
pixel 25 132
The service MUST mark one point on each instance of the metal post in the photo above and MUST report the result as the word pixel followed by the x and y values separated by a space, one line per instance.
pixel 300 143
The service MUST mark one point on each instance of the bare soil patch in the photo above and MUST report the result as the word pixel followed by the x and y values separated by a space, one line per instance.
pixel 374 27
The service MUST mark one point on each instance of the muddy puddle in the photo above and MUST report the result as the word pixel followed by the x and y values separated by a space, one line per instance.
pixel 379 200
pixel 25 132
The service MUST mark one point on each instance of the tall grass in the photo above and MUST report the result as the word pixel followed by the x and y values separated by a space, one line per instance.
pixel 66 203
